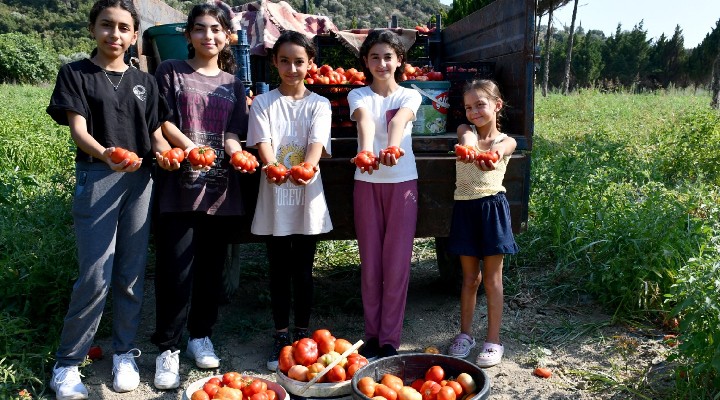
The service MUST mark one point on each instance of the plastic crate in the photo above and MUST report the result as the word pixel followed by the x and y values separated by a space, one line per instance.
pixel 342 126
pixel 409 367
pixel 459 74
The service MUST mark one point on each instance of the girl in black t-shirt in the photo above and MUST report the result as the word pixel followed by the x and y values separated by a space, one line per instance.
pixel 109 107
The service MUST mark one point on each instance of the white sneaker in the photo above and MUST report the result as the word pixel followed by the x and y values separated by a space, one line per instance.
pixel 127 377
pixel 66 383
pixel 167 370
pixel 203 352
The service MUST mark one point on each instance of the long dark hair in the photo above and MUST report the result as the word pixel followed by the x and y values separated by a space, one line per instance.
pixel 100 5
pixel 295 38
pixel 226 60
pixel 383 36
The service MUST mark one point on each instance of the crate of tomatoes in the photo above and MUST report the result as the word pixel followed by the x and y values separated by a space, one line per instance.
pixel 320 366
pixel 421 377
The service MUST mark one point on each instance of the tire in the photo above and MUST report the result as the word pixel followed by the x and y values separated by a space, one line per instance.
pixel 231 272
pixel 448 266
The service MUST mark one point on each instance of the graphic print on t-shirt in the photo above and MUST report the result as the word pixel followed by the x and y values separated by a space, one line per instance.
pixel 289 194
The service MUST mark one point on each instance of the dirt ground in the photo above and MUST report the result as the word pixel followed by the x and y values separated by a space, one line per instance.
pixel 590 358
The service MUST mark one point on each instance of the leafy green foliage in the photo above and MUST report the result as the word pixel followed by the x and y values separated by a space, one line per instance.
pixel 37 256
pixel 622 211
pixel 26 59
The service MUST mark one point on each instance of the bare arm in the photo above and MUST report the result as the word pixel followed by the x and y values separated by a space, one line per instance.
pixel 396 129
pixel 84 140
pixel 366 136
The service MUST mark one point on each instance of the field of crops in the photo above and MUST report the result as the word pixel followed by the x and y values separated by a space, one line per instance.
pixel 624 209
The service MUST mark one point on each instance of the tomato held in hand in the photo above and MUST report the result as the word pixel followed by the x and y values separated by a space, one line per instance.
pixel 119 155
pixel 244 160
pixel 174 154
pixel 303 171
pixel 486 156
pixel 394 150
pixel 365 160
pixel 202 156
pixel 276 171
pixel 465 152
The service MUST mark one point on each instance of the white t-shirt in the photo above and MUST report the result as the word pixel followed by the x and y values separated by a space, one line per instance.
pixel 290 126
pixel 383 109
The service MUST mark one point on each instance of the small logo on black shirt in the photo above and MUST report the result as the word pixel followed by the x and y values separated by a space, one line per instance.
pixel 140 92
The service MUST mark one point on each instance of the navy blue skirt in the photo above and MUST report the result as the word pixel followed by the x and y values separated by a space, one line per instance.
pixel 482 227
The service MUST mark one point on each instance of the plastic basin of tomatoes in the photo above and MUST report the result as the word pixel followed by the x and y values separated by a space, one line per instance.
pixel 282 394
pixel 410 367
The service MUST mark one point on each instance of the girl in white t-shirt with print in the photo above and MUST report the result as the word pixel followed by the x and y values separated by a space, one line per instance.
pixel 290 126
pixel 385 196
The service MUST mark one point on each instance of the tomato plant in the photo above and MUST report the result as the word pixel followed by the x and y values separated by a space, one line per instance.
pixel 365 160
pixel 174 154
pixel 276 171
pixel 306 351
pixel 119 154
pixel 303 171
pixel 244 160
pixel 202 156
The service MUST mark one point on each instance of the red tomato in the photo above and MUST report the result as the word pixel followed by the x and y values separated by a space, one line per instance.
pixel 309 81
pixel 320 333
pixel 95 353
pixel 215 380
pixel 304 171
pixel 352 369
pixel 446 393
pixel 210 388
pixel 271 394
pixel 435 374
pixel 366 386
pixel 325 70
pixel 286 359
pixel 542 372
pixel 465 151
pixel 365 160
pixel 255 386
pixel 298 372
pixel 244 160
pixel 392 381
pixel 429 390
pixel 226 393
pixel 229 377
pixel 202 156
pixel 342 345
pixel 276 171
pixel 326 345
pixel 456 387
pixel 336 374
pixel 394 150
pixel 120 154
pixel 305 352
pixel 238 383
pixel 417 384
pixel 174 154
pixel 315 369
pixel 259 396
pixel 200 395
pixel 487 156
pixel 385 391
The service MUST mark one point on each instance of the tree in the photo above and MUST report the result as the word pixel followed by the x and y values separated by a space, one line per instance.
pixel 587 62
pixel 546 60
pixel 568 55
pixel 715 87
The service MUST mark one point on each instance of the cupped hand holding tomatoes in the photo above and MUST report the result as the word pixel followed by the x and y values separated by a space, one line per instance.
pixel 302 173
pixel 390 155
pixel 170 159
pixel 366 161
pixel 465 153
pixel 486 160
pixel 276 173
pixel 122 160
pixel 201 157
pixel 244 161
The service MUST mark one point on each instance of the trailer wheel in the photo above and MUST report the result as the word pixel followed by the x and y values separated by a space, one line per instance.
pixel 448 265
pixel 231 272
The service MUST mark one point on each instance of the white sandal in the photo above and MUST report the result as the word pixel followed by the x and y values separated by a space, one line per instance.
pixel 461 346
pixel 490 355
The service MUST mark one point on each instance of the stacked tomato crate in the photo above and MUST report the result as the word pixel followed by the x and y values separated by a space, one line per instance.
pixel 459 74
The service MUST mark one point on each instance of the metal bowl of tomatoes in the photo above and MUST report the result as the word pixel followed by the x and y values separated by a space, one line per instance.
pixel 412 370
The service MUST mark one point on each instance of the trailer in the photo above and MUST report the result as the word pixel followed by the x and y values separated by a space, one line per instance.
pixel 498 42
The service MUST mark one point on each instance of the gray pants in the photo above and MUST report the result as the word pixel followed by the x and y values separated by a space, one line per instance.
pixel 111 212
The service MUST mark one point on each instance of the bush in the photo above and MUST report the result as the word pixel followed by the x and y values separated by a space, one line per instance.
pixel 26 59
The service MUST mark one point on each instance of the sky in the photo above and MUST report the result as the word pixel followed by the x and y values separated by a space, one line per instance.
pixel 696 18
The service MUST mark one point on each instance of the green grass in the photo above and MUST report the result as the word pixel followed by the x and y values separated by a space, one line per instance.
pixel 623 210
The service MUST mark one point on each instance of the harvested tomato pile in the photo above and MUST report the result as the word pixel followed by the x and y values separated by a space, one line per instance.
pixel 234 386
pixel 433 386
pixel 307 357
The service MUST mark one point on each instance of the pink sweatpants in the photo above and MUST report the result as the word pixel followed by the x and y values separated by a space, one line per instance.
pixel 385 220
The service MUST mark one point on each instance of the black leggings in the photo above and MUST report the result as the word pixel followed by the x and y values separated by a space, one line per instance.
pixel 291 260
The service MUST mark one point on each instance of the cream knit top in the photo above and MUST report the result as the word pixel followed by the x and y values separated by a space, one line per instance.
pixel 473 183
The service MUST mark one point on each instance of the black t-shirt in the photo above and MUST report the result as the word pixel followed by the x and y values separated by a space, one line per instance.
pixel 124 117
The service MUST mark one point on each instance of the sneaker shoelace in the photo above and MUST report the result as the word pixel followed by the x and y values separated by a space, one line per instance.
pixel 126 361
pixel 68 375
pixel 206 348
pixel 171 362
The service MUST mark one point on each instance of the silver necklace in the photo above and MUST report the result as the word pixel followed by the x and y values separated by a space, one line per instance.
pixel 114 85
